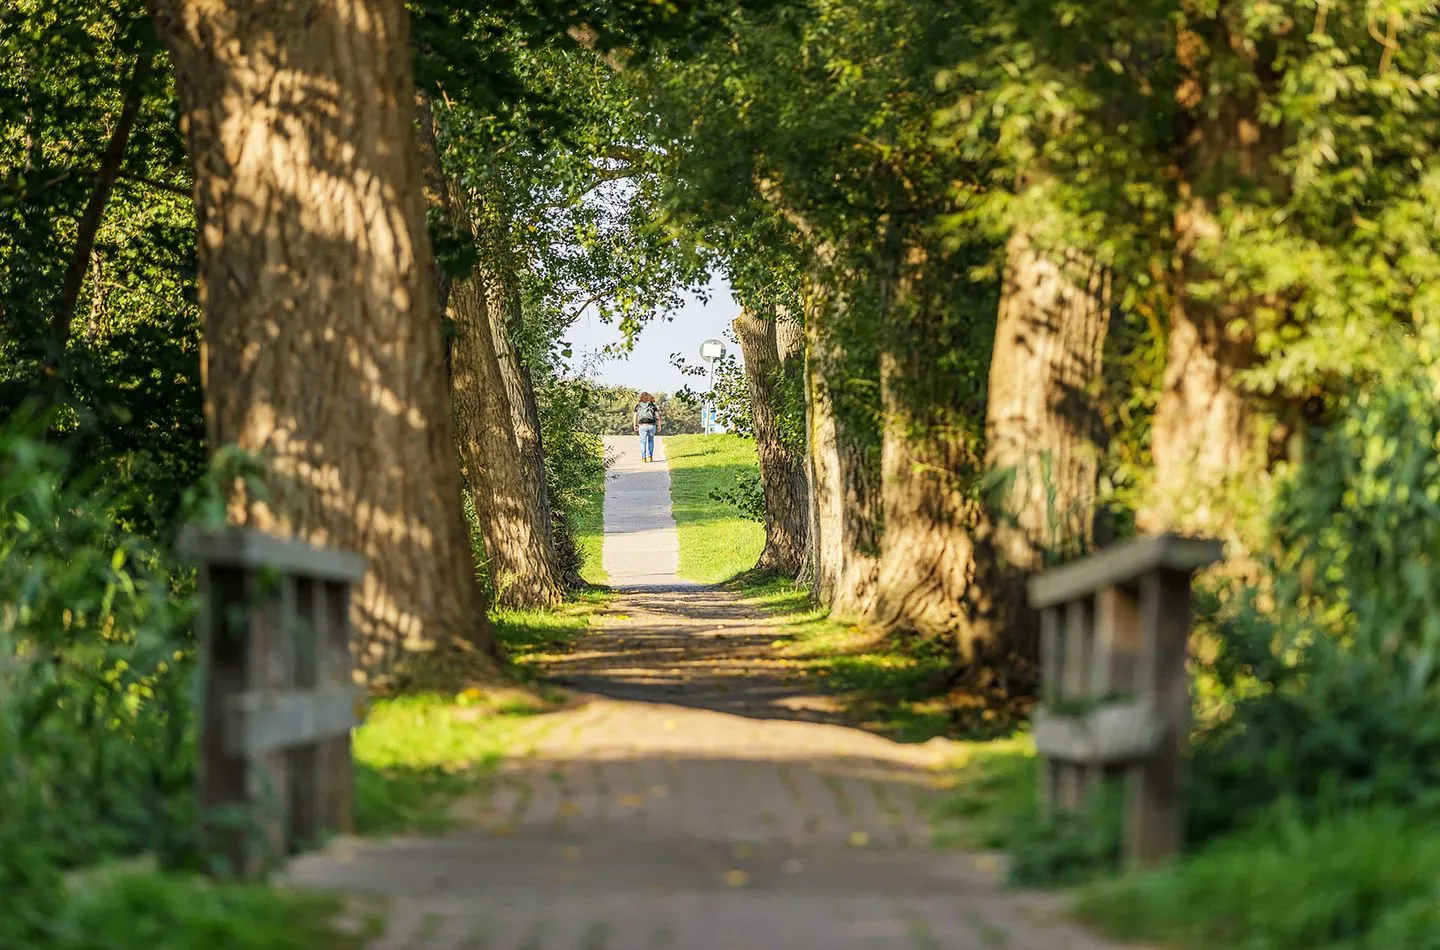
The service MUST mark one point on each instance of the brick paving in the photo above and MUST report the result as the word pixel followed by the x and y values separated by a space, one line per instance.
pixel 692 797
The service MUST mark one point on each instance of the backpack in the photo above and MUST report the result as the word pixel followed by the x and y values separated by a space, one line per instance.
pixel 648 413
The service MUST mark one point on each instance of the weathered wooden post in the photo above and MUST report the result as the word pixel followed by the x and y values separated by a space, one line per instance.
pixel 279 694
pixel 1115 694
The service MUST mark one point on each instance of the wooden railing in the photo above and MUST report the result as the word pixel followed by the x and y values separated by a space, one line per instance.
pixel 280 699
pixel 1115 697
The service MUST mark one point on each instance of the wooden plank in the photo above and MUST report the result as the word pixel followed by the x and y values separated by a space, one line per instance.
pixel 1155 805
pixel 255 550
pixel 261 723
pixel 1111 733
pixel 302 758
pixel 223 775
pixel 1077 646
pixel 1122 564
pixel 1050 655
pixel 1076 649
pixel 336 669
pixel 1118 642
pixel 268 601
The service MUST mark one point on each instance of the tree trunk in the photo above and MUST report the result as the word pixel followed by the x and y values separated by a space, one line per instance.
pixel 1043 434
pixel 929 453
pixel 521 565
pixel 506 324
pixel 1205 438
pixel 515 528
pixel 772 347
pixel 842 519
pixel 322 352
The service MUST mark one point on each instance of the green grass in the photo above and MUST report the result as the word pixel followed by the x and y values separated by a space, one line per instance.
pixel 135 909
pixel 589 523
pixel 417 755
pixel 716 541
pixel 1359 881
pixel 527 635
pixel 992 794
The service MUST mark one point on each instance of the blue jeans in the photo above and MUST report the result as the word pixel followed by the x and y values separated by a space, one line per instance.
pixel 647 440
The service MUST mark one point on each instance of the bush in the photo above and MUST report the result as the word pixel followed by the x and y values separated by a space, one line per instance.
pixel 1334 669
pixel 95 692
pixel 96 682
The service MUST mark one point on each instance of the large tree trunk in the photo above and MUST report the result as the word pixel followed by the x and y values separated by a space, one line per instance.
pixel 507 322
pixel 1205 439
pixel 930 451
pixel 521 562
pixel 512 520
pixel 772 346
pixel 322 352
pixel 1043 434
pixel 842 498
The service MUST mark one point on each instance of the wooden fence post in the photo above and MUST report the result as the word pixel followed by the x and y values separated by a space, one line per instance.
pixel 1115 694
pixel 279 694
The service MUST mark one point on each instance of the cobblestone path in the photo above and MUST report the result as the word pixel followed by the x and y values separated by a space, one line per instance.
pixel 691 798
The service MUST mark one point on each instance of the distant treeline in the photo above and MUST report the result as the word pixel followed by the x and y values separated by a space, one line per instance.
pixel 607 410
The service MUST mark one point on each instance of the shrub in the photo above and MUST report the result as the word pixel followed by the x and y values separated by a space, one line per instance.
pixel 96 681
pixel 1335 667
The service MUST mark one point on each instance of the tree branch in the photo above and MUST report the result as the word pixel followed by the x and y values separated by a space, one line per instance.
pixel 156 184
pixel 63 309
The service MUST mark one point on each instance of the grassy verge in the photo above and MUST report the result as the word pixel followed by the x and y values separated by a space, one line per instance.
pixel 1358 881
pixel 589 522
pixel 126 909
pixel 716 541
pixel 417 755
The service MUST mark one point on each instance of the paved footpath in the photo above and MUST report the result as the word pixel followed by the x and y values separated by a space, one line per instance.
pixel 692 798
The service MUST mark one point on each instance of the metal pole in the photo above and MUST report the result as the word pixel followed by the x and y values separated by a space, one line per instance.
pixel 710 415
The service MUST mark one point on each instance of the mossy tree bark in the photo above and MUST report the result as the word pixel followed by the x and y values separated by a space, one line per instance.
pixel 930 456
pixel 843 494
pixel 773 347
pixel 1044 439
pixel 513 519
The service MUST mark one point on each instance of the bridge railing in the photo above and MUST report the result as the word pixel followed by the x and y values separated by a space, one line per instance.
pixel 279 695
pixel 1115 696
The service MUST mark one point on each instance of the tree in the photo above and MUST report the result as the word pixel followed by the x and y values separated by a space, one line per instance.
pixel 773 348
pixel 323 354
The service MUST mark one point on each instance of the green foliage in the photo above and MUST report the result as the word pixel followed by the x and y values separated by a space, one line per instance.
pixel 1069 848
pixel 96 752
pixel 97 728
pixel 746 495
pixel 1335 669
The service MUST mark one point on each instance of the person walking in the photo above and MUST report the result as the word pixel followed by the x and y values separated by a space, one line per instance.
pixel 647 425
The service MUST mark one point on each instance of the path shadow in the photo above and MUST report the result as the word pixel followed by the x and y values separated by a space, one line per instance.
pixel 697 647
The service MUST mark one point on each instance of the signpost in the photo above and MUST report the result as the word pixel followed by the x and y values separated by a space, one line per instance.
pixel 711 351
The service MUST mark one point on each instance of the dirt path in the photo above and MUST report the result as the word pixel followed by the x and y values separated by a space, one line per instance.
pixel 695 798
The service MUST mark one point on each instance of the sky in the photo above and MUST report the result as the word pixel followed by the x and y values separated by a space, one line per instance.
pixel 648 366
